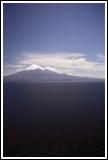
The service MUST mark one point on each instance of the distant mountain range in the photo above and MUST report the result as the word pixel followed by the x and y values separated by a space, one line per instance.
pixel 35 73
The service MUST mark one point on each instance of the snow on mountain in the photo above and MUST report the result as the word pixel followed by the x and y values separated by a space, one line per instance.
pixel 35 67
pixel 51 69
pixel 35 73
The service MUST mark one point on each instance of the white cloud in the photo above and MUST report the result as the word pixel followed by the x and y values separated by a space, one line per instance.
pixel 13 66
pixel 71 63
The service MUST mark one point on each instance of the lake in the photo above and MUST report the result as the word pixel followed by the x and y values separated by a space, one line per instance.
pixel 54 119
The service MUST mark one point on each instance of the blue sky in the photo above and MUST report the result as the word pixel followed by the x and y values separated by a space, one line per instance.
pixel 68 37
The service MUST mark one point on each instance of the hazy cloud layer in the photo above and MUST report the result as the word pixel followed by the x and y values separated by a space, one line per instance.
pixel 70 63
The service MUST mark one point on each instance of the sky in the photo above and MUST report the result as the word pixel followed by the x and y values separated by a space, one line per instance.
pixel 67 37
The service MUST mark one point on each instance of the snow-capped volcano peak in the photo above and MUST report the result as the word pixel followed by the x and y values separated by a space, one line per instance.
pixel 52 69
pixel 35 73
pixel 33 67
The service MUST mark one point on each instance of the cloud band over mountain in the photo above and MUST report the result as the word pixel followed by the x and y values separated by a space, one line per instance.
pixel 71 63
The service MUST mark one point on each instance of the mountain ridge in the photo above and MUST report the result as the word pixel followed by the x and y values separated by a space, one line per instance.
pixel 35 73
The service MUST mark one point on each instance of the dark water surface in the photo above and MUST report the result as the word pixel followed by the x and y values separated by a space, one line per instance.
pixel 54 119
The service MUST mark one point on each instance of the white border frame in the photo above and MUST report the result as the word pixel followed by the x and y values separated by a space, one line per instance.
pixel 2 2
